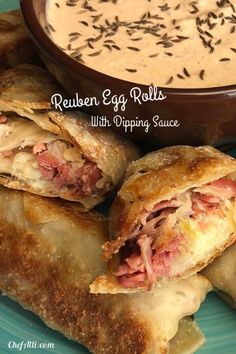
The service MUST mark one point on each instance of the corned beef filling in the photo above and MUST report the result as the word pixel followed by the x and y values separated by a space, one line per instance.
pixel 62 164
pixel 80 177
pixel 3 119
pixel 155 243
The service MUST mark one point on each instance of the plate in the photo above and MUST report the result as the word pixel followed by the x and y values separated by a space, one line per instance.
pixel 217 321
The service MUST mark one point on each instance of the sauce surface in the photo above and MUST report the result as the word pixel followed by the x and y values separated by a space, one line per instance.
pixel 179 44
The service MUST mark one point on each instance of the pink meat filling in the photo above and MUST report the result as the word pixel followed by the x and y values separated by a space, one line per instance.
pixel 3 119
pixel 143 258
pixel 81 179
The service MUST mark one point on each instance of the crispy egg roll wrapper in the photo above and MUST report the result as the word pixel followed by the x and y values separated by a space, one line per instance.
pixel 50 253
pixel 16 46
pixel 173 215
pixel 25 92
pixel 222 275
pixel 227 299
pixel 188 339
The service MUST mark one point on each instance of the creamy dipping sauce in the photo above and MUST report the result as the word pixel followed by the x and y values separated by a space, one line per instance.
pixel 181 44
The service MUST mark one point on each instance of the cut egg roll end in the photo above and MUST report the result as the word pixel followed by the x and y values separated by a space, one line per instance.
pixel 165 221
pixel 65 155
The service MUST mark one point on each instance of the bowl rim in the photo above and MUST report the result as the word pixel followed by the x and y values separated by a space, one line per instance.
pixel 45 42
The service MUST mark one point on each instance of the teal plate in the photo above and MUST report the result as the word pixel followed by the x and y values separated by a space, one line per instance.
pixel 216 320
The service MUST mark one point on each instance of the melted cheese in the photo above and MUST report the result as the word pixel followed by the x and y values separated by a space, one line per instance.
pixel 25 167
pixel 203 238
pixel 20 132
pixel 72 154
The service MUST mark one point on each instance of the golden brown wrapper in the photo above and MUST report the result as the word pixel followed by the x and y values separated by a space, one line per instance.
pixel 50 253
pixel 26 90
pixel 16 46
pixel 188 339
pixel 222 275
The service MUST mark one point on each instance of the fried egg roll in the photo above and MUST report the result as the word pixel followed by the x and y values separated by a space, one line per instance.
pixel 222 275
pixel 173 215
pixel 54 154
pixel 49 254
pixel 16 46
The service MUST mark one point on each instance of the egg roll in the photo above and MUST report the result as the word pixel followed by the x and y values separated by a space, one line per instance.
pixel 16 46
pixel 173 215
pixel 49 254
pixel 222 274
pixel 79 162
